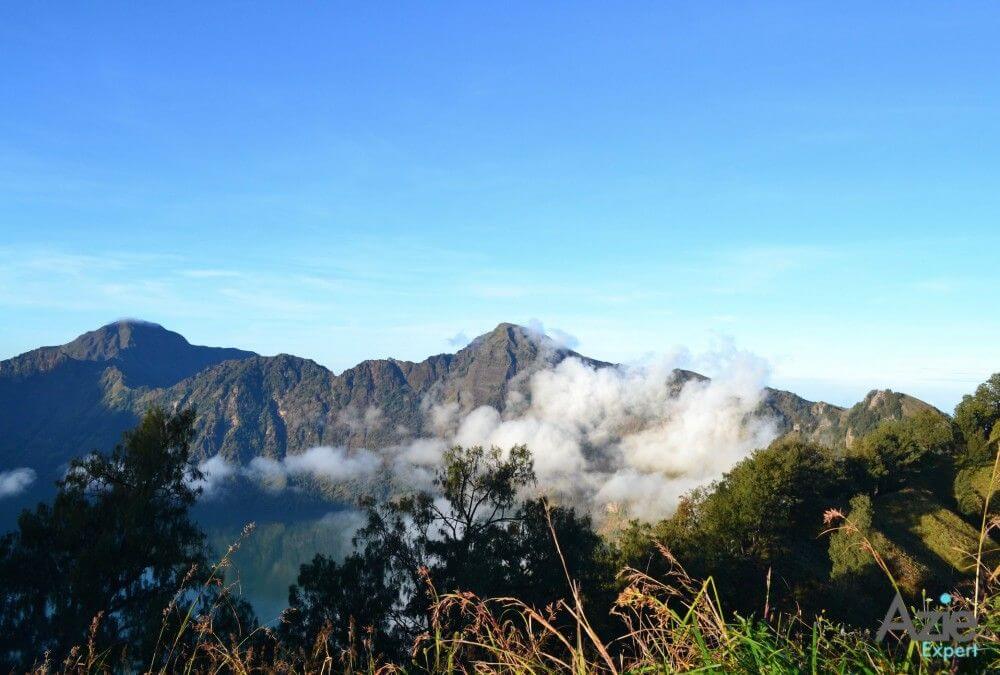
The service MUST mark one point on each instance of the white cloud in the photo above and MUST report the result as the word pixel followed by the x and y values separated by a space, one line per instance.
pixel 937 285
pixel 269 472
pixel 333 464
pixel 360 422
pixel 500 292
pixel 345 524
pixel 458 340
pixel 631 436
pixel 16 481
pixel 215 473
pixel 210 274
pixel 561 338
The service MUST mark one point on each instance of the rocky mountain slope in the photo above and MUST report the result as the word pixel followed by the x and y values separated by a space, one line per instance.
pixel 834 426
pixel 60 402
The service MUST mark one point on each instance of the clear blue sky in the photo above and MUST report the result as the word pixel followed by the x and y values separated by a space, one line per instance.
pixel 821 183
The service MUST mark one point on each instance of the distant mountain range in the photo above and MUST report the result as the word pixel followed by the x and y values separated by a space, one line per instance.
pixel 57 403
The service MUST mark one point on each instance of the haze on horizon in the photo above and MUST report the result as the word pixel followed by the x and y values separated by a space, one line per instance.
pixel 812 184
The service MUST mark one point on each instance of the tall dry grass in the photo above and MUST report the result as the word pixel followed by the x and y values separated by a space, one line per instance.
pixel 668 625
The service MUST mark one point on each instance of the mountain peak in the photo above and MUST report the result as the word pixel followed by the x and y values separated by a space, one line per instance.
pixel 900 404
pixel 146 354
pixel 523 337
pixel 514 333
pixel 111 340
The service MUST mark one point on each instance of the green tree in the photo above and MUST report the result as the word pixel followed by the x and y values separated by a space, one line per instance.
pixel 856 582
pixel 772 499
pixel 976 416
pixel 761 519
pixel 975 480
pixel 898 450
pixel 847 555
pixel 475 535
pixel 329 599
pixel 115 543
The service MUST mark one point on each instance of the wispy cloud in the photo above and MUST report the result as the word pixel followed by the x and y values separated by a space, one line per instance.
pixel 459 340
pixel 758 268
pixel 215 473
pixel 501 292
pixel 16 481
pixel 333 465
pixel 210 274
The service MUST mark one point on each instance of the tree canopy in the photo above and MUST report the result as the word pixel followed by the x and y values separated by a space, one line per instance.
pixel 481 533
pixel 111 551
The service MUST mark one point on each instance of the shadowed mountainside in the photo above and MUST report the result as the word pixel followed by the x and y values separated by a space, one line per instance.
pixel 60 402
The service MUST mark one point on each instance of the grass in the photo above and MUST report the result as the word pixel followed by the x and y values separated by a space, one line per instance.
pixel 915 519
pixel 981 481
pixel 670 624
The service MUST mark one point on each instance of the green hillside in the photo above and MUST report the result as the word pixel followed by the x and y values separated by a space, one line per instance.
pixel 927 541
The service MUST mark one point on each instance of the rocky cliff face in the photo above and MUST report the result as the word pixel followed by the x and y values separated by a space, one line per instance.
pixel 60 402
pixel 835 426
pixel 879 405
pixel 270 406
pixel 813 420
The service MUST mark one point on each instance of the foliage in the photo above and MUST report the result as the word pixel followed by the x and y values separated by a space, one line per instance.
pixel 976 416
pixel 899 449
pixel 666 624
pixel 847 556
pixel 759 521
pixel 480 576
pixel 331 600
pixel 115 545
pixel 777 492
pixel 975 481
pixel 969 497
pixel 479 535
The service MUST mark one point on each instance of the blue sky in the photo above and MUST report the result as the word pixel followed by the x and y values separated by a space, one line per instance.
pixel 817 183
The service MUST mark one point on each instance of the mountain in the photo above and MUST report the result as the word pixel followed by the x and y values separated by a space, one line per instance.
pixel 270 406
pixel 143 354
pixel 60 402
pixel 835 426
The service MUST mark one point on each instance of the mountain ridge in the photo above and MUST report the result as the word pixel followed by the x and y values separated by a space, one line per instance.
pixel 60 402
pixel 128 345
